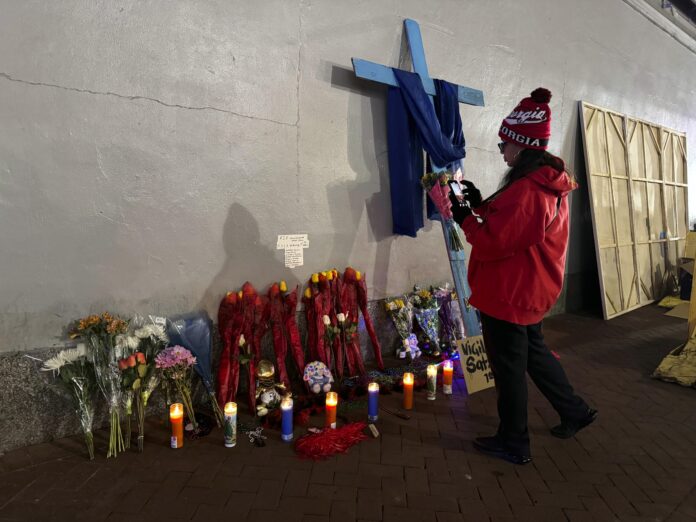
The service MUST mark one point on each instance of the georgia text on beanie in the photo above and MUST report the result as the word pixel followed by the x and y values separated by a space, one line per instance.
pixel 529 125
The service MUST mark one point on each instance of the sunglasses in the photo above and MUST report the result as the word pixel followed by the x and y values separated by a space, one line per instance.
pixel 501 146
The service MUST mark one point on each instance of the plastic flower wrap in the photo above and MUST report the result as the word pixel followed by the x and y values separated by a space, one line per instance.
pixel 176 364
pixel 76 375
pixel 153 338
pixel 450 329
pixel 437 187
pixel 193 332
pixel 99 333
pixel 401 313
pixel 426 312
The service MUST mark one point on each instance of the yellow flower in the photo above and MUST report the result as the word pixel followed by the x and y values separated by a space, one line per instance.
pixel 329 275
pixel 315 278
pixel 283 286
pixel 239 294
pixel 358 276
pixel 308 293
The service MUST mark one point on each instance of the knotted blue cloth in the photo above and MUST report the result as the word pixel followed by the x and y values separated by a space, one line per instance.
pixel 414 124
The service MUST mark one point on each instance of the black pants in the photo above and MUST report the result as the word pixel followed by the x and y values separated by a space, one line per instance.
pixel 514 350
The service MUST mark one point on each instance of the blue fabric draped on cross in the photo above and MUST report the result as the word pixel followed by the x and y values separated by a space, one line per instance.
pixel 414 124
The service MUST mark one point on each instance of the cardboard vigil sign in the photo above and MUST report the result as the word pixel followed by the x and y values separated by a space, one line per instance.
pixel 477 370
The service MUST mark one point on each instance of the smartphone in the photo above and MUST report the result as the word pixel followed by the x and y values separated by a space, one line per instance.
pixel 456 188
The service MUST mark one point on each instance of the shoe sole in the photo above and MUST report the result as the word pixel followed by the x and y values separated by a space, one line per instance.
pixel 580 427
pixel 509 457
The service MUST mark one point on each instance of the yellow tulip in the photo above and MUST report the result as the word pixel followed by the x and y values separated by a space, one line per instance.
pixel 358 276
pixel 329 276
pixel 239 294
pixel 315 278
pixel 283 286
pixel 308 293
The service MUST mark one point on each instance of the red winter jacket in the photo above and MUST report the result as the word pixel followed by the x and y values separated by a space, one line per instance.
pixel 519 247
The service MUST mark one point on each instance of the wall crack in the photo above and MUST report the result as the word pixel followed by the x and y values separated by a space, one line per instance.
pixel 145 98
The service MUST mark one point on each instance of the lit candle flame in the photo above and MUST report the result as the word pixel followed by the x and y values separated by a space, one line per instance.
pixel 176 410
pixel 373 387
pixel 408 378
pixel 231 408
pixel 331 399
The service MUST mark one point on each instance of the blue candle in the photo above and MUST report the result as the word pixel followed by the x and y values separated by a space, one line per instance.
pixel 372 401
pixel 286 419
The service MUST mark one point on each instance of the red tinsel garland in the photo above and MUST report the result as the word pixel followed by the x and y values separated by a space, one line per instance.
pixel 328 442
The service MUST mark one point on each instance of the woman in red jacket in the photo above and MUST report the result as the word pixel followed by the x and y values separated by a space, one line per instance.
pixel 519 237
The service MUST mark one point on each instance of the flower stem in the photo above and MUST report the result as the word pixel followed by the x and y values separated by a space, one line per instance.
pixel 89 441
pixel 140 405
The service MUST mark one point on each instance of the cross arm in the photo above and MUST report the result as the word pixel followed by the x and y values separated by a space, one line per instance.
pixel 382 74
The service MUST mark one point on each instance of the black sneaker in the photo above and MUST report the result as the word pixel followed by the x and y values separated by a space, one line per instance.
pixel 494 447
pixel 568 429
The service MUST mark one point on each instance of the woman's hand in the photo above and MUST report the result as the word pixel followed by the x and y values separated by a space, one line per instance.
pixel 472 195
pixel 460 211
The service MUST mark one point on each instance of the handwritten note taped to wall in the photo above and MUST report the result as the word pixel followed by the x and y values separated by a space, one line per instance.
pixel 294 245
pixel 477 370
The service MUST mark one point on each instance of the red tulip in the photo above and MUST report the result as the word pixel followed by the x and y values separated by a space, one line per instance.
pixel 248 289
pixel 140 356
pixel 131 361
pixel 123 364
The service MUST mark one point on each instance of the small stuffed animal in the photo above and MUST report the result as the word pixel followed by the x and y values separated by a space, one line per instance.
pixel 318 377
pixel 409 348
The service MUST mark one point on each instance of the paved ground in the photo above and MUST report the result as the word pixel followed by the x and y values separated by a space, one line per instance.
pixel 637 462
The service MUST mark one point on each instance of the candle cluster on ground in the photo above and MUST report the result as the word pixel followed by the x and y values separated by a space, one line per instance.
pixel 176 410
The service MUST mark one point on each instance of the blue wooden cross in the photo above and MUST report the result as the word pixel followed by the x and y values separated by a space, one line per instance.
pixel 383 74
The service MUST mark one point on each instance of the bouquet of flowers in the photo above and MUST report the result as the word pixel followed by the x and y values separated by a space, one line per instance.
pixel 126 350
pixel 100 332
pixel 426 313
pixel 401 313
pixel 76 375
pixel 437 186
pixel 176 364
pixel 450 328
pixel 153 339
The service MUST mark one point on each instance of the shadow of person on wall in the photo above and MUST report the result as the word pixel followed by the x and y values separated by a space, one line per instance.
pixel 246 259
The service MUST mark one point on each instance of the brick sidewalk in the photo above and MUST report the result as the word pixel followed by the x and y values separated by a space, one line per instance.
pixel 637 462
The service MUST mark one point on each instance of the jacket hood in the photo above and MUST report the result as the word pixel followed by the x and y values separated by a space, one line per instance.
pixel 558 182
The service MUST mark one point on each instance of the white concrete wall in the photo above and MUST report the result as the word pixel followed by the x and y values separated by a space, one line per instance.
pixel 152 151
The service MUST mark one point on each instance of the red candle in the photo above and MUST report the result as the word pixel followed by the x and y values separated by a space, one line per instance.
pixel 447 370
pixel 176 418
pixel 408 391
pixel 331 405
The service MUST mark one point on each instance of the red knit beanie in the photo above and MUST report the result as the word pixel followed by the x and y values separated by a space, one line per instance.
pixel 529 125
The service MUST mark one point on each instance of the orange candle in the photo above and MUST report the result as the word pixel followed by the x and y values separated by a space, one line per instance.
pixel 176 419
pixel 447 370
pixel 331 404
pixel 408 391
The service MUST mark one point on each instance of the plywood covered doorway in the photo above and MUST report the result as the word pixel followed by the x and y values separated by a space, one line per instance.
pixel 638 190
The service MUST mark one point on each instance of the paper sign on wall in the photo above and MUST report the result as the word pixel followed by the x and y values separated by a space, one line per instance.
pixel 294 245
pixel 477 370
